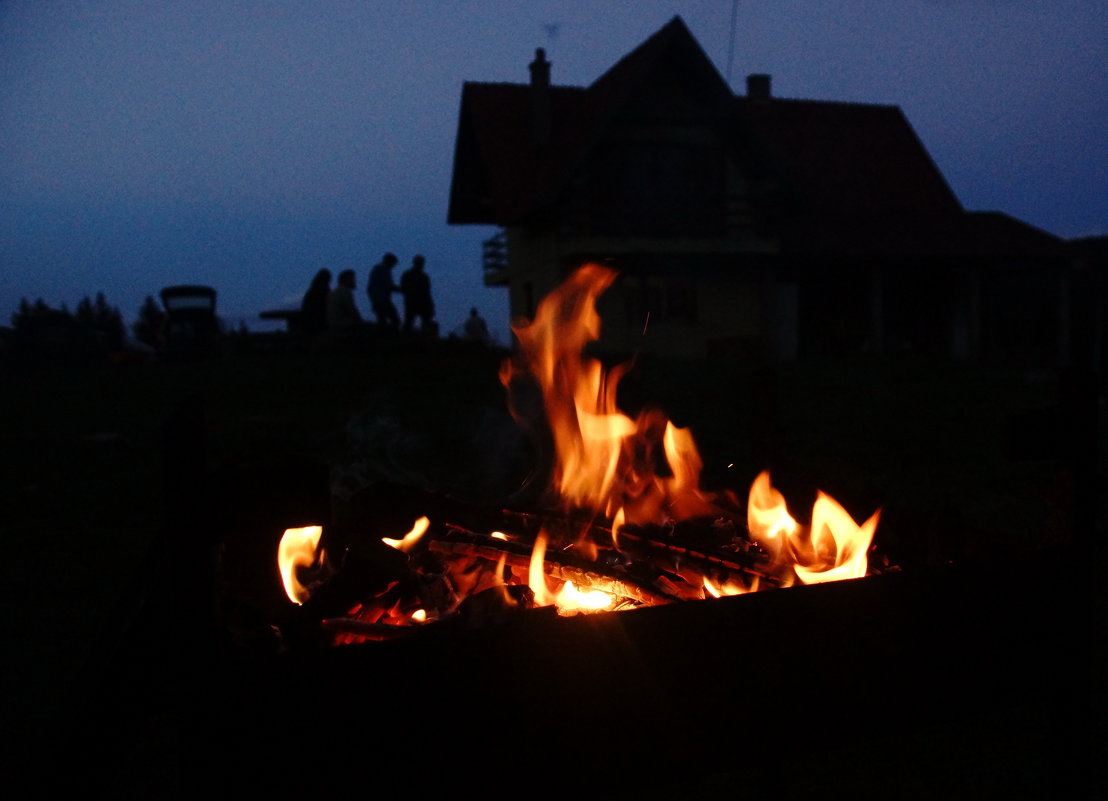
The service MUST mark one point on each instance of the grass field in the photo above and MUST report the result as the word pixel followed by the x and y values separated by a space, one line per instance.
pixel 81 487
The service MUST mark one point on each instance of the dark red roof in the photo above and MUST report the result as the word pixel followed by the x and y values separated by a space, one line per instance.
pixel 833 177
pixel 846 157
pixel 920 236
pixel 502 175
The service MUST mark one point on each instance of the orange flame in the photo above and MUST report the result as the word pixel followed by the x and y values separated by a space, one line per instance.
pixel 569 599
pixel 299 549
pixel 834 547
pixel 409 540
pixel 605 461
pixel 838 546
pixel 605 464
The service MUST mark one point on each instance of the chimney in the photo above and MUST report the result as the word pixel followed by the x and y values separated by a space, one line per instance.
pixel 540 97
pixel 757 87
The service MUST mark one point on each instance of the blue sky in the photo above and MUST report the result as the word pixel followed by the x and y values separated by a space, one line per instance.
pixel 245 145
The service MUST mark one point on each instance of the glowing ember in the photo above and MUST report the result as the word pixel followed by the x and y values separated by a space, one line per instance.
pixel 572 599
pixel 569 599
pixel 728 588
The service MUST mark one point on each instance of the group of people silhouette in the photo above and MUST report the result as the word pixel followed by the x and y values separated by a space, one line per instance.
pixel 334 311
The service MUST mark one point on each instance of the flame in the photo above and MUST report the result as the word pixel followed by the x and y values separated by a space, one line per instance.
pixel 605 461
pixel 571 599
pixel 631 472
pixel 408 542
pixel 536 576
pixel 568 599
pixel 838 546
pixel 728 588
pixel 834 547
pixel 767 517
pixel 298 549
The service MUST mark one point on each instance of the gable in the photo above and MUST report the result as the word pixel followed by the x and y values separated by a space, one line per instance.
pixel 502 175
pixel 667 74
pixel 807 157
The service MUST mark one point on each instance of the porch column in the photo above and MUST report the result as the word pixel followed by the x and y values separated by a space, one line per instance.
pixel 966 323
pixel 876 310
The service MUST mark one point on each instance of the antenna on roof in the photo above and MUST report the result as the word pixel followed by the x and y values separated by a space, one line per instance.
pixel 731 43
pixel 551 29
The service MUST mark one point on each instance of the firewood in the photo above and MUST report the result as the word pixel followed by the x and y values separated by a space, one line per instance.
pixel 734 555
pixel 557 564
pixel 377 632
pixel 458 569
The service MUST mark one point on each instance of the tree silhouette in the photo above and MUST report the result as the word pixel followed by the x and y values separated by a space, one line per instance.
pixel 23 316
pixel 100 317
pixel 150 325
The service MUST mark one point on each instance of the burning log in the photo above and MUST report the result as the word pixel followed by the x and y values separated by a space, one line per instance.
pixel 450 572
pixel 446 570
pixel 377 632
pixel 561 565
pixel 716 547
pixel 624 522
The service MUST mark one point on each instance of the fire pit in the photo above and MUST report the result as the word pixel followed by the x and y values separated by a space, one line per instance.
pixel 863 683
pixel 623 522
pixel 430 643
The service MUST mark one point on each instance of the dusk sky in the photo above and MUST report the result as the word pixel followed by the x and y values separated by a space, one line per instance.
pixel 247 144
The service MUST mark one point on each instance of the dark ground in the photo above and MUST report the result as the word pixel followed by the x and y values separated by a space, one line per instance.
pixel 963 463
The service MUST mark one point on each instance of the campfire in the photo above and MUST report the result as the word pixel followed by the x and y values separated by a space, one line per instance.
pixel 561 621
pixel 623 521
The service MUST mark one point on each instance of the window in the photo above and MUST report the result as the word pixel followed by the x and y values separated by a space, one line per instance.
pixel 652 189
pixel 655 299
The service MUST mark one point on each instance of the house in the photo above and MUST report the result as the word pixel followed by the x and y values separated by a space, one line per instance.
pixel 743 225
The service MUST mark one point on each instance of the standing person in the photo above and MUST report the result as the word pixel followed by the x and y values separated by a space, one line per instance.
pixel 313 307
pixel 381 286
pixel 343 317
pixel 415 285
pixel 475 327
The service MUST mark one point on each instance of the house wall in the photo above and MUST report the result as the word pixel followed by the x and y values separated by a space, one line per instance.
pixel 962 309
pixel 681 315
pixel 535 258
pixel 1022 313
pixel 688 303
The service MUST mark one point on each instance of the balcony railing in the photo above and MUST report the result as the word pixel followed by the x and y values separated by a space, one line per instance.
pixel 494 257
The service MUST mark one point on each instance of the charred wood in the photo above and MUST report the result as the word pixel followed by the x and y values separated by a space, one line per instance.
pixel 561 565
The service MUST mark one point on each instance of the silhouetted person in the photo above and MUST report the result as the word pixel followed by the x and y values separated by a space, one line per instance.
pixel 415 285
pixel 380 289
pixel 343 317
pixel 475 328
pixel 313 308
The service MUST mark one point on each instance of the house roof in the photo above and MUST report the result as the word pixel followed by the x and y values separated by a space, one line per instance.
pixel 925 237
pixel 846 158
pixel 829 175
pixel 502 174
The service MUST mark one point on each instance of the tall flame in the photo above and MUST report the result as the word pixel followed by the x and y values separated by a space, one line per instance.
pixel 605 461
